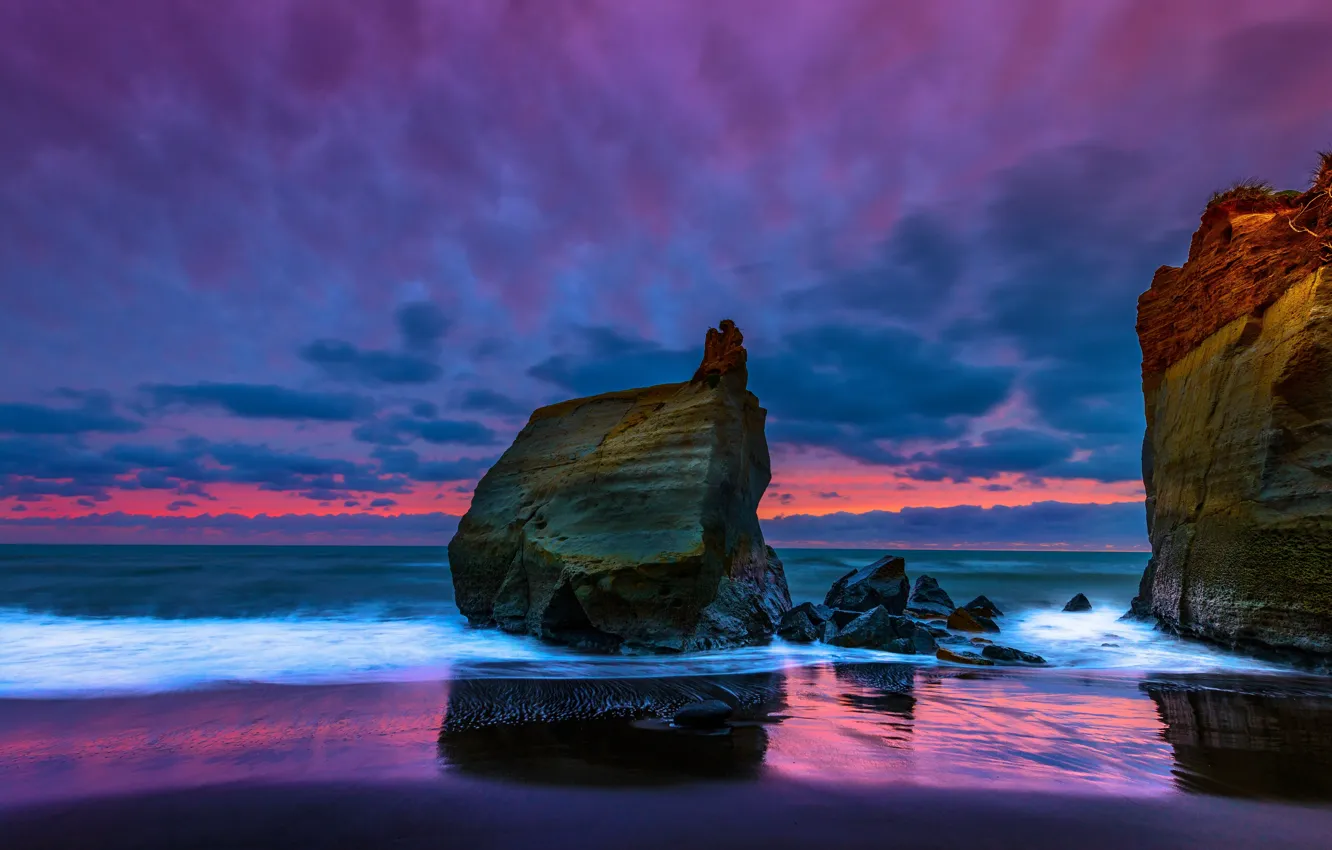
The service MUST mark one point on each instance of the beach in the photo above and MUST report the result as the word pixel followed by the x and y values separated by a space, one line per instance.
pixel 135 720
pixel 932 756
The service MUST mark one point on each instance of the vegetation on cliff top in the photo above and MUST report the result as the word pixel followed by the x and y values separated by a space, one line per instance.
pixel 1252 190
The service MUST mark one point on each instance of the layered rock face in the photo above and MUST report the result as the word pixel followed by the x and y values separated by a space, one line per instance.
pixel 628 520
pixel 1237 460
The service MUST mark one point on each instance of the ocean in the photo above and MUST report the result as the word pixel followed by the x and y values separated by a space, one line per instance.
pixel 98 620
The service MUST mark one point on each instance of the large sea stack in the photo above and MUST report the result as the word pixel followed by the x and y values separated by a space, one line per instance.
pixel 628 520
pixel 1237 461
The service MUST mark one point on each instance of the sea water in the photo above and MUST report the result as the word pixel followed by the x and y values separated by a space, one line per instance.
pixel 93 620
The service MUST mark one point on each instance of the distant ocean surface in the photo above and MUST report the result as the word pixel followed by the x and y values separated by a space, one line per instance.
pixel 90 620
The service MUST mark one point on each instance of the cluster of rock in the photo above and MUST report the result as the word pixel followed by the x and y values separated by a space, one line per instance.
pixel 876 607
pixel 1237 380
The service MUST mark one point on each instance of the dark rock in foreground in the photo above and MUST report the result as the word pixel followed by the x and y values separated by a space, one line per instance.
pixel 994 652
pixel 963 620
pixel 804 623
pixel 878 629
pixel 983 606
pixel 962 657
pixel 882 583
pixel 1077 604
pixel 707 714
pixel 928 598
pixel 629 519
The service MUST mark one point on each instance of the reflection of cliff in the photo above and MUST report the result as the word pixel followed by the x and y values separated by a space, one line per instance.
pixel 605 731
pixel 1249 745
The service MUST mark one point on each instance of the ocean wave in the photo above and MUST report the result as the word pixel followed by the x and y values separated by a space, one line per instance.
pixel 45 655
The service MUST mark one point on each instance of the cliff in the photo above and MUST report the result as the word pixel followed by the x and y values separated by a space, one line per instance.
pixel 628 519
pixel 1237 459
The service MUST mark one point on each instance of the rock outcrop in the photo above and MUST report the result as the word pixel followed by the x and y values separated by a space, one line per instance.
pixel 1237 460
pixel 628 520
pixel 883 582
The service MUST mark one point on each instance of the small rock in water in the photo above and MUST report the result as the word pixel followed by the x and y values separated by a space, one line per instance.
pixel 963 620
pixel 961 657
pixel 1008 653
pixel 1078 603
pixel 883 582
pixel 707 714
pixel 983 606
pixel 1115 645
pixel 929 598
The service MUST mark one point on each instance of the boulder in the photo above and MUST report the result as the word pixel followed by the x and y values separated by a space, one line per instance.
pixel 797 627
pixel 962 620
pixel 706 714
pixel 883 582
pixel 928 598
pixel 994 652
pixel 1077 604
pixel 817 613
pixel 804 622
pixel 878 629
pixel 983 606
pixel 841 617
pixel 962 657
pixel 629 519
pixel 1236 378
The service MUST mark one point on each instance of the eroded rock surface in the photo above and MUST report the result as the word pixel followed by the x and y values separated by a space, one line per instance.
pixel 628 519
pixel 1237 460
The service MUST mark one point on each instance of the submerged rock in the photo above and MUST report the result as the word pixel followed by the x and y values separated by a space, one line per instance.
pixel 928 598
pixel 962 657
pixel 1077 604
pixel 963 620
pixel 994 652
pixel 983 606
pixel 628 519
pixel 1237 380
pixel 883 582
pixel 706 714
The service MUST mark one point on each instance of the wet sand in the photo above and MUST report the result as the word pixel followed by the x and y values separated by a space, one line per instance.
pixel 847 755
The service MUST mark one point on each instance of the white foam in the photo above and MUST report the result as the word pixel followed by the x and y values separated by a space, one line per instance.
pixel 49 655
pixel 1098 639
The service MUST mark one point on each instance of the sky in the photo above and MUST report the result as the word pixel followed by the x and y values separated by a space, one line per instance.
pixel 298 270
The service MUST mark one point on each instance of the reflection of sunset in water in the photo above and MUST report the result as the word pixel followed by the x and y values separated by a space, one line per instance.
pixel 73 748
pixel 952 728
pixel 849 725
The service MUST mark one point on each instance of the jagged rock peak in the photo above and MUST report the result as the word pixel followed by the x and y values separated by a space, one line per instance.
pixel 723 352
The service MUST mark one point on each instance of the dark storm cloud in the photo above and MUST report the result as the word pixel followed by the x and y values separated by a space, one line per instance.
pixel 605 359
pixel 345 362
pixel 422 325
pixel 401 430
pixel 406 462
pixel 834 386
pixel 489 401
pixel 1040 524
pixel 93 416
pixel 916 273
pixel 261 401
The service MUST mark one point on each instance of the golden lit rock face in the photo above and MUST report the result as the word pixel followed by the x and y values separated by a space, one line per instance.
pixel 629 519
pixel 1237 460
